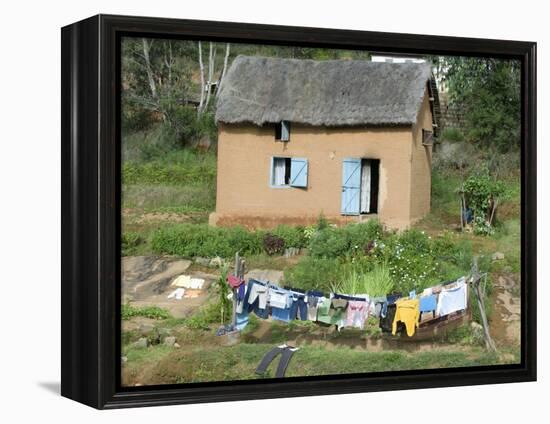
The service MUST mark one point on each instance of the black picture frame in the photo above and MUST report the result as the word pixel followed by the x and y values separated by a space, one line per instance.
pixel 91 224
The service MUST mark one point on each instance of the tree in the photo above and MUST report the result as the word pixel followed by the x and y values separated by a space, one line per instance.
pixel 488 90
pixel 157 78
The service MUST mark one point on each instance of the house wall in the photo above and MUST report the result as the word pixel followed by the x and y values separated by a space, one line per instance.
pixel 245 152
pixel 421 169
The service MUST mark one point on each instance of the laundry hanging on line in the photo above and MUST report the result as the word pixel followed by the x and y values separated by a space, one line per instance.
pixel 396 312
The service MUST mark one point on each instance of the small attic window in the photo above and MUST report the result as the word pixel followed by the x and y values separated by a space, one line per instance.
pixel 427 138
pixel 282 131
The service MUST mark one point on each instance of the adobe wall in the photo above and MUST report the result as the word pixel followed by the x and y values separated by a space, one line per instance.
pixel 245 153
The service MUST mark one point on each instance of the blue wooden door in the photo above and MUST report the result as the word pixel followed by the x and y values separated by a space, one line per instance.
pixel 351 186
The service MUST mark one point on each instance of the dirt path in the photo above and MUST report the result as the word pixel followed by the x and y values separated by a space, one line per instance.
pixel 505 324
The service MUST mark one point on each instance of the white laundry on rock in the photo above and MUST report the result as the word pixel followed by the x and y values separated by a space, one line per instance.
pixel 187 282
pixel 178 294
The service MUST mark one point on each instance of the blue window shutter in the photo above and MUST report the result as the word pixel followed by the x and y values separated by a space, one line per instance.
pixel 285 130
pixel 298 172
pixel 351 186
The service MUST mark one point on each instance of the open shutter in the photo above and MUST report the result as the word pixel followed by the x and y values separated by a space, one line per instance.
pixel 351 186
pixel 298 172
pixel 285 130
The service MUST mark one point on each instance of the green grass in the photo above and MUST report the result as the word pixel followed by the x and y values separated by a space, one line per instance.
pixel 214 363
pixel 169 198
pixel 508 238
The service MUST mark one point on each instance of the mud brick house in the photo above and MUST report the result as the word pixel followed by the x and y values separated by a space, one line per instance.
pixel 351 139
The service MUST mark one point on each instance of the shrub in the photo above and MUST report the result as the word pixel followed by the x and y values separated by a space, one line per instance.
pixel 292 236
pixel 314 273
pixel 481 191
pixel 334 242
pixel 410 258
pixel 190 240
pixel 452 134
pixel 130 241
pixel 361 236
pixel 204 317
pixel 273 244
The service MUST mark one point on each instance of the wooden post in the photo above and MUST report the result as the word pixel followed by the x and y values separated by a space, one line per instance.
pixel 495 203
pixel 234 299
pixel 461 213
pixel 476 278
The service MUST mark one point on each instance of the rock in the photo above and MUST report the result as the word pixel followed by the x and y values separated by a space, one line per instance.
pixel 123 360
pixel 216 262
pixel 202 261
pixel 497 256
pixel 142 343
pixel 176 345
pixel 145 328
pixel 170 341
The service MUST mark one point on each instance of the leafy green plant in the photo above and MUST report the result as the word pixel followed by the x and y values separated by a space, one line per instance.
pixel 130 241
pixel 481 192
pixel 314 273
pixel 223 289
pixel 292 236
pixel 190 240
pixel 153 312
pixel 333 242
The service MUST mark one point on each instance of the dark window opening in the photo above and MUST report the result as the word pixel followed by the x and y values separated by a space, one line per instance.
pixel 427 137
pixel 282 131
pixel 370 179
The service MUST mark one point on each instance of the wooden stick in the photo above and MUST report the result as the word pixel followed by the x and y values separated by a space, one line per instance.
pixel 495 203
pixel 234 300
pixel 476 278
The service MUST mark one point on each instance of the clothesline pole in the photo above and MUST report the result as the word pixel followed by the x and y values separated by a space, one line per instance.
pixel 234 299
pixel 476 278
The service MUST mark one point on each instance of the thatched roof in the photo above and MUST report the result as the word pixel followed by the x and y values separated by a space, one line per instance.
pixel 263 90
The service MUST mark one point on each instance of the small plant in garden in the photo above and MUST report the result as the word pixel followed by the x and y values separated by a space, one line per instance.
pixel 225 303
pixel 309 232
pixel 322 222
pixel 273 244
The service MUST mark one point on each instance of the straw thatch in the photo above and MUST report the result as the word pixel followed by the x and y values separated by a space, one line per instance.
pixel 263 90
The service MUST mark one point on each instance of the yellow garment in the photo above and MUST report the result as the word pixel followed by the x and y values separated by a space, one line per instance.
pixel 408 312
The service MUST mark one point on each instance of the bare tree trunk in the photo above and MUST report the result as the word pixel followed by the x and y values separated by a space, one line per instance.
pixel 148 69
pixel 224 69
pixel 211 60
pixel 201 65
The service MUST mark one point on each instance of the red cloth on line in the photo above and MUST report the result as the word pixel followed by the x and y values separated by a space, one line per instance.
pixel 234 281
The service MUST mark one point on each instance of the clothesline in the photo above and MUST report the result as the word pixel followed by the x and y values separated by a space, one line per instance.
pixel 396 311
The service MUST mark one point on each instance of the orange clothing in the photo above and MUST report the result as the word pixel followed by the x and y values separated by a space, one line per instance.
pixel 408 312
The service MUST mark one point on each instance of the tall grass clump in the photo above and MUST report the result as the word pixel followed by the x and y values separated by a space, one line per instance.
pixel 377 282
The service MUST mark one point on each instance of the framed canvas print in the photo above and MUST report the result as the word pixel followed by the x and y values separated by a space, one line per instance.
pixel 253 211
